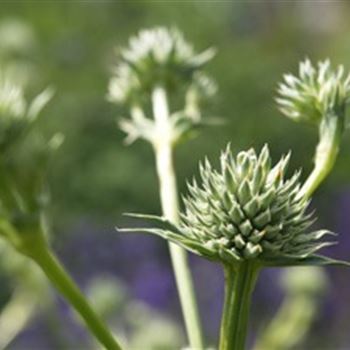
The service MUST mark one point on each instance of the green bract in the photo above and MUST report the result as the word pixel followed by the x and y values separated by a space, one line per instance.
pixel 316 92
pixel 247 210
pixel 16 114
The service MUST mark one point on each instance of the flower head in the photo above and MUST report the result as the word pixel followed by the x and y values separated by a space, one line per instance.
pixel 16 114
pixel 316 92
pixel 23 190
pixel 157 56
pixel 247 210
pixel 161 60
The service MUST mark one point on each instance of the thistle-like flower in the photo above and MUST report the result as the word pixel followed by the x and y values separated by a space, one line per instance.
pixel 154 57
pixel 160 59
pixel 247 210
pixel 316 92
pixel 16 114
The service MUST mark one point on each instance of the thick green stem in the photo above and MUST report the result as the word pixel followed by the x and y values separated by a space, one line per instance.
pixel 331 130
pixel 169 200
pixel 239 286
pixel 65 285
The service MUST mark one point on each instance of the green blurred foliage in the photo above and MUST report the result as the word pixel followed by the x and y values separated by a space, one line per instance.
pixel 72 47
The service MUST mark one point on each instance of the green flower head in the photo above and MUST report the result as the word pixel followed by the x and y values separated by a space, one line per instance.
pixel 247 210
pixel 157 56
pixel 316 92
pixel 16 114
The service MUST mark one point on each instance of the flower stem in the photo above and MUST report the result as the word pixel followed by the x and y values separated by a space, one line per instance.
pixel 239 286
pixel 169 200
pixel 65 285
pixel 330 132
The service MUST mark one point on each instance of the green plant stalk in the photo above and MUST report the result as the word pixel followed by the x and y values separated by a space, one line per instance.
pixel 330 132
pixel 239 285
pixel 163 148
pixel 66 286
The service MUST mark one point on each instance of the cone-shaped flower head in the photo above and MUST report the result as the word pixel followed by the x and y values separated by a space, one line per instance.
pixel 248 210
pixel 316 92
pixel 16 114
pixel 157 56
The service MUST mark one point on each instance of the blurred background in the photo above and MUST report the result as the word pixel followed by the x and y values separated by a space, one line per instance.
pixel 94 177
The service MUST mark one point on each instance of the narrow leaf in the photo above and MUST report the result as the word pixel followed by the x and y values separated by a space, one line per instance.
pixel 161 221
pixel 312 260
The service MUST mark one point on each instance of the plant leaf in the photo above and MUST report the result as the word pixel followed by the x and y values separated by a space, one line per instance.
pixel 312 260
pixel 160 221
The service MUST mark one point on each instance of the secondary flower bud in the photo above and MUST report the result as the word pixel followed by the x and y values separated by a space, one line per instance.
pixel 317 91
pixel 157 68
pixel 154 57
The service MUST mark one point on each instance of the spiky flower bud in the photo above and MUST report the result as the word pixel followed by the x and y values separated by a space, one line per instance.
pixel 247 210
pixel 16 114
pixel 154 57
pixel 316 92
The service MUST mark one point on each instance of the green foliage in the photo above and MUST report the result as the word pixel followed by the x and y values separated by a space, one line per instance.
pixel 72 45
